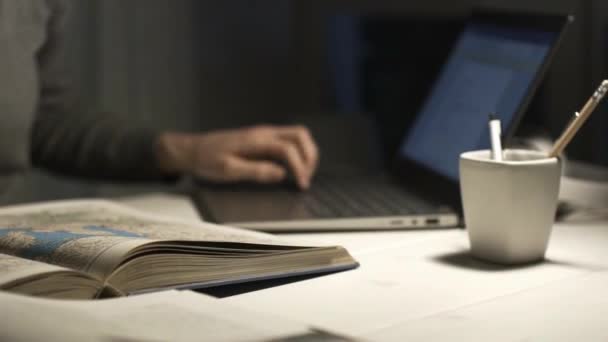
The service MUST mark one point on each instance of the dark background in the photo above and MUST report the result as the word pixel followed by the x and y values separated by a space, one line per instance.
pixel 199 65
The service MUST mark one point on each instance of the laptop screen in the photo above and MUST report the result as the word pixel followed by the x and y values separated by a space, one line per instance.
pixel 490 70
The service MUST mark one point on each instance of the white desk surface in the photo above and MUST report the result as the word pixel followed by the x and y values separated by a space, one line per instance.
pixel 422 285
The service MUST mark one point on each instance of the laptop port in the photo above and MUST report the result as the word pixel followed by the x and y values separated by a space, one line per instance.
pixel 432 221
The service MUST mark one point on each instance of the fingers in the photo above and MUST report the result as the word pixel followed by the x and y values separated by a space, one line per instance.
pixel 301 137
pixel 240 169
pixel 290 154
pixel 292 145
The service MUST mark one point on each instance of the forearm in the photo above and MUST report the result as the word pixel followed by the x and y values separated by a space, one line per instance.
pixel 95 147
pixel 175 152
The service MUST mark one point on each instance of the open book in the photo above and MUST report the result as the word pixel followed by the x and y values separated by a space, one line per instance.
pixel 94 248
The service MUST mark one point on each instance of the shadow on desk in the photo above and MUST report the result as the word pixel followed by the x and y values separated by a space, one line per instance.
pixel 464 259
pixel 236 289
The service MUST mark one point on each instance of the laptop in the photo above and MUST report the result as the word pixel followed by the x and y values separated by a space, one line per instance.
pixel 495 66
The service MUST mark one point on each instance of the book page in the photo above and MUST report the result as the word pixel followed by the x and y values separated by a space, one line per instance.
pixel 13 269
pixel 39 279
pixel 93 236
pixel 163 316
pixel 68 237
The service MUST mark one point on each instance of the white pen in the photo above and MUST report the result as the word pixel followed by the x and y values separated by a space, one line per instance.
pixel 495 136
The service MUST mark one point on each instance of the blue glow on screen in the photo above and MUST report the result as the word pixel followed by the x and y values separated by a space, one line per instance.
pixel 490 70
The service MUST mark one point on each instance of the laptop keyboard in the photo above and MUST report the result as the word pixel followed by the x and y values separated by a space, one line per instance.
pixel 353 197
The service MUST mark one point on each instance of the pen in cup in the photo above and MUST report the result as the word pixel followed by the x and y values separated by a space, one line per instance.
pixel 495 136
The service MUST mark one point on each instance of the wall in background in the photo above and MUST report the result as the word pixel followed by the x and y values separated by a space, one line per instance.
pixel 184 64
pixel 192 64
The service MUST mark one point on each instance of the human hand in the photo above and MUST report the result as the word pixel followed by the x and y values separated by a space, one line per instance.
pixel 258 153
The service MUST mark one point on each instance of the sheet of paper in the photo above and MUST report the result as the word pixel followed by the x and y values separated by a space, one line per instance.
pixel 416 280
pixel 164 316
pixel 369 242
pixel 170 205
pixel 574 309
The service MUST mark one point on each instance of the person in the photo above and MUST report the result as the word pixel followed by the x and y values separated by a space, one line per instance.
pixel 41 126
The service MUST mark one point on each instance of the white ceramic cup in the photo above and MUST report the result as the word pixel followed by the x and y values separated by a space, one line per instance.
pixel 509 206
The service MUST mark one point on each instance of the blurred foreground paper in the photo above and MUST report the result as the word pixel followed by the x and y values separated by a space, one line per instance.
pixel 164 316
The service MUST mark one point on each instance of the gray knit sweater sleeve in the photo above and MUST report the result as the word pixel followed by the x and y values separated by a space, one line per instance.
pixel 72 141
